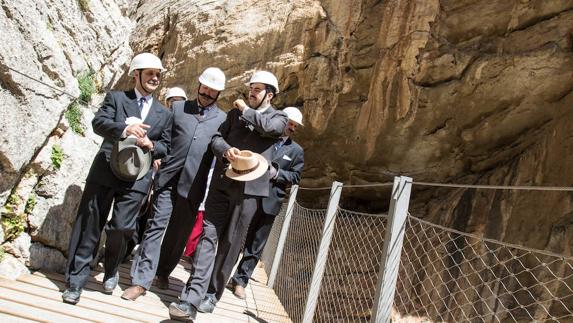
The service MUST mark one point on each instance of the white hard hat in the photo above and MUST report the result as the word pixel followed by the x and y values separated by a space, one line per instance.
pixel 265 77
pixel 145 60
pixel 294 114
pixel 213 78
pixel 175 91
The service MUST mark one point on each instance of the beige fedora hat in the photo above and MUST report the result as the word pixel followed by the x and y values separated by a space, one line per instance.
pixel 128 161
pixel 247 166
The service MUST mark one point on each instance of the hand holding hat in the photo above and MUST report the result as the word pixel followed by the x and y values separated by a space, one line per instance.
pixel 247 166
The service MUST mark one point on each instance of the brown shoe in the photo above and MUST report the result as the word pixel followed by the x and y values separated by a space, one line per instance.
pixel 162 282
pixel 133 292
pixel 239 292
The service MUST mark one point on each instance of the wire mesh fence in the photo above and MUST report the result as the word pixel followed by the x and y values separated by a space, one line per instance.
pixel 450 276
pixel 297 263
pixel 444 276
pixel 270 250
pixel 349 283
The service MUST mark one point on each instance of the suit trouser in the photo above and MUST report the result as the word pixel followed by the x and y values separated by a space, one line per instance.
pixel 178 230
pixel 145 213
pixel 223 222
pixel 90 221
pixel 231 243
pixel 257 237
pixel 146 260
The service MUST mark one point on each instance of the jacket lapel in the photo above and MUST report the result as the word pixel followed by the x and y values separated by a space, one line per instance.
pixel 131 109
pixel 283 150
pixel 154 114
pixel 212 114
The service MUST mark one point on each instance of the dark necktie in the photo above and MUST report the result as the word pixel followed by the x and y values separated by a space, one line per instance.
pixel 142 101
pixel 279 144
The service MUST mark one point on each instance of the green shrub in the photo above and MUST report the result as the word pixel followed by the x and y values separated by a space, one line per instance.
pixel 30 204
pixel 84 5
pixel 74 116
pixel 13 226
pixel 2 253
pixel 87 86
pixel 11 204
pixel 57 156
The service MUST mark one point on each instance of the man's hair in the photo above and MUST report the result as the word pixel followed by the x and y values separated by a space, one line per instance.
pixel 270 88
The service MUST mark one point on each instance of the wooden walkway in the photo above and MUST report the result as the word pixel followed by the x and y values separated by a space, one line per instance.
pixel 37 298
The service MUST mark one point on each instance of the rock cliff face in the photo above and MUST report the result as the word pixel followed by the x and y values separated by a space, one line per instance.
pixel 458 91
pixel 49 47
pixel 443 91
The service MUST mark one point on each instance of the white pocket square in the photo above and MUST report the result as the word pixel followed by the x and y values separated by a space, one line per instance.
pixel 286 157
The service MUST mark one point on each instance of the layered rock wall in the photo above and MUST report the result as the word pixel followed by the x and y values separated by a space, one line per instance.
pixel 465 91
pixel 48 47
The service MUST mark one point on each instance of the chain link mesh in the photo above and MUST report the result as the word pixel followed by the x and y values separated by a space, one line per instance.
pixel 444 276
pixel 270 250
pixel 297 263
pixel 450 276
pixel 349 283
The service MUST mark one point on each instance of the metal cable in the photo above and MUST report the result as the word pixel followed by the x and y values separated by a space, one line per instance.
pixel 52 87
pixel 498 187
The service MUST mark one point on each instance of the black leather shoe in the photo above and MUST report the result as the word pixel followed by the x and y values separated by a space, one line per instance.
pixel 72 295
pixel 207 304
pixel 162 282
pixel 109 284
pixel 182 311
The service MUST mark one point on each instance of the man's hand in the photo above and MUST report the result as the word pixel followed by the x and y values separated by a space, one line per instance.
pixel 231 154
pixel 272 171
pixel 240 104
pixel 145 143
pixel 138 130
pixel 156 164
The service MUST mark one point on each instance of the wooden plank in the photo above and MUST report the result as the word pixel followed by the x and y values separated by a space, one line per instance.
pixel 60 307
pixel 261 304
pixel 31 313
pixel 150 305
pixel 5 318
pixel 96 285
pixel 114 305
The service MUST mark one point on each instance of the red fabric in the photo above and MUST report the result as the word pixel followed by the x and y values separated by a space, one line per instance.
pixel 193 239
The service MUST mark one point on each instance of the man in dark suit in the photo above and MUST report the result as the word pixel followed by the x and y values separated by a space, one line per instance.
pixel 181 180
pixel 173 94
pixel 288 160
pixel 231 204
pixel 132 113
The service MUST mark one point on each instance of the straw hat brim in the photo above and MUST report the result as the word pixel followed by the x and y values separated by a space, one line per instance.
pixel 256 173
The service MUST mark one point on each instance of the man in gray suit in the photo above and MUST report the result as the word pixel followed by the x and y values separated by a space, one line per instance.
pixel 132 113
pixel 231 204
pixel 288 160
pixel 181 180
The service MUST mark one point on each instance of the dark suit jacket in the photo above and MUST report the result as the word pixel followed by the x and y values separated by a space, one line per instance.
pixel 289 161
pixel 109 122
pixel 189 160
pixel 252 131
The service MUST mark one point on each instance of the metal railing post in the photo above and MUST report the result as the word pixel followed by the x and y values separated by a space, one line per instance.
pixel 388 274
pixel 322 255
pixel 283 236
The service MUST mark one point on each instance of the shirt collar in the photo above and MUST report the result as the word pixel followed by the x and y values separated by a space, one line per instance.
pixel 261 110
pixel 209 107
pixel 139 96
